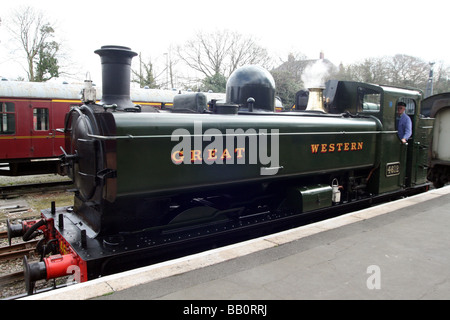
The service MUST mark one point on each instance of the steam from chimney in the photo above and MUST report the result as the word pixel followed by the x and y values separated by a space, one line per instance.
pixel 315 74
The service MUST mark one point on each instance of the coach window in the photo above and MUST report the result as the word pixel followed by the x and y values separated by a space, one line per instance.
pixel 7 118
pixel 40 119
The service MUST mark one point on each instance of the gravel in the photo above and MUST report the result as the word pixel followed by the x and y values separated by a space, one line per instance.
pixel 7 181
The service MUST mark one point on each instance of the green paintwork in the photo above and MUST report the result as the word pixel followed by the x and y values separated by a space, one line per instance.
pixel 310 198
pixel 307 145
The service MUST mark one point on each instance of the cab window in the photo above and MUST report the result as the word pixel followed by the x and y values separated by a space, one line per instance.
pixel 7 118
pixel 369 100
pixel 410 105
pixel 40 119
pixel 409 110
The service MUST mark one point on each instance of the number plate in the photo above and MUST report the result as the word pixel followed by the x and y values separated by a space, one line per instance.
pixel 392 169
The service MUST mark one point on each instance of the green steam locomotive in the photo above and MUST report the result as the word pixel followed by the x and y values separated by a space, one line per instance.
pixel 148 179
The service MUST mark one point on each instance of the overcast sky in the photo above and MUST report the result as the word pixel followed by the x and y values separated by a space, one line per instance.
pixel 345 30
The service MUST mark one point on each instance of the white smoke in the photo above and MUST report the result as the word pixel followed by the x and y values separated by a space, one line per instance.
pixel 314 75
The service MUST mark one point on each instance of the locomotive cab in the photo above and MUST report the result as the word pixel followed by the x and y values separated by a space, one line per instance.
pixel 353 98
pixel 398 165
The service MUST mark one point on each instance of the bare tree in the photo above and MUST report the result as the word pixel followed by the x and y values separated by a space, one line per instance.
pixel 221 52
pixel 408 71
pixel 245 50
pixel 288 75
pixel 145 76
pixel 156 73
pixel 170 66
pixel 371 70
pixel 441 78
pixel 34 35
pixel 399 70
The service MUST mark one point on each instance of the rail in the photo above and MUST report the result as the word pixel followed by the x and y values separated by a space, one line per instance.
pixel 17 250
pixel 20 189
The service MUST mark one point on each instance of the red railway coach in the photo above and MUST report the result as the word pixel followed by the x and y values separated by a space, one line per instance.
pixel 31 114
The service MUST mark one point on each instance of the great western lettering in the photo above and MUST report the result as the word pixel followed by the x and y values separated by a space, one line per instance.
pixel 336 147
pixel 227 146
pixel 211 155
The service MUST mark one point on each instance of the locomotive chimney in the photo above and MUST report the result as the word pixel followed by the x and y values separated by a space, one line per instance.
pixel 315 100
pixel 116 74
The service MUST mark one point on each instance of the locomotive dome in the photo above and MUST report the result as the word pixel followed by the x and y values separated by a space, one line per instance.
pixel 251 81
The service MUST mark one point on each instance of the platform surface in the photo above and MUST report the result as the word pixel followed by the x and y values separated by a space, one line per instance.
pixel 398 250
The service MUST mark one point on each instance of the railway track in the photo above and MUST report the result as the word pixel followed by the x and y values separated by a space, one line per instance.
pixel 17 250
pixel 9 253
pixel 19 200
pixel 11 277
pixel 17 190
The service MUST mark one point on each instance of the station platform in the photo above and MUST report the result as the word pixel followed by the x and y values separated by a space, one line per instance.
pixel 398 250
